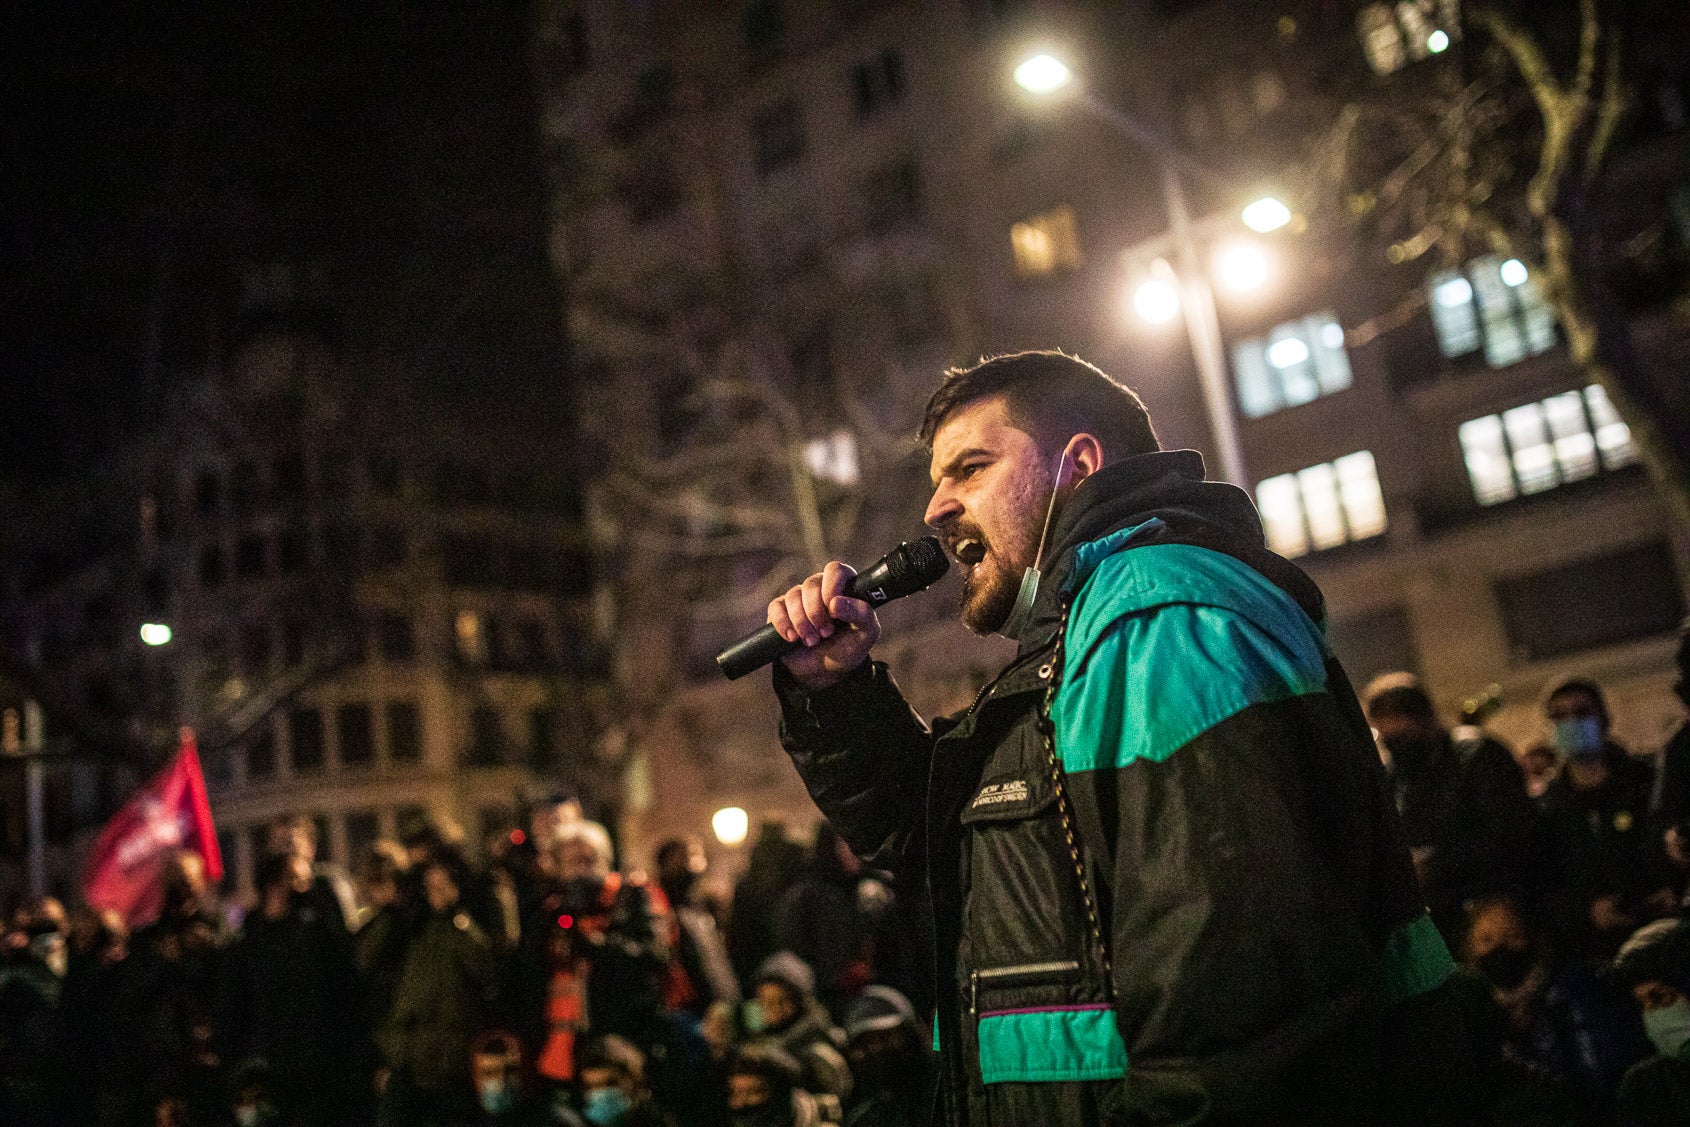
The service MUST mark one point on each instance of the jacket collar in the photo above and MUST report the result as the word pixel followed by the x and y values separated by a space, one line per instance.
pixel 1158 497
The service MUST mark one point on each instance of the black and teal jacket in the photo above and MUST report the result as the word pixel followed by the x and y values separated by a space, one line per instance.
pixel 1260 925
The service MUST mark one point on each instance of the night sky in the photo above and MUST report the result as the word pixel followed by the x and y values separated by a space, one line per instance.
pixel 173 173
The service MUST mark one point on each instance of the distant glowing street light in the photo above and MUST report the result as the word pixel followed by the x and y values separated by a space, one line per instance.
pixel 1513 272
pixel 1042 73
pixel 1242 266
pixel 730 824
pixel 1438 42
pixel 1266 214
pixel 1156 299
pixel 155 633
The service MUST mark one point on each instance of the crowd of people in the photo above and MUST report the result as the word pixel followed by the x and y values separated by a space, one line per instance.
pixel 543 986
pixel 1557 876
pixel 547 986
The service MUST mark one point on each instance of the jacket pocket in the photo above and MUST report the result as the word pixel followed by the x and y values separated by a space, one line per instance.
pixel 1023 1041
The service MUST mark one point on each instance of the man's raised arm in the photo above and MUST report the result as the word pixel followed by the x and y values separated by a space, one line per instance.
pixel 862 752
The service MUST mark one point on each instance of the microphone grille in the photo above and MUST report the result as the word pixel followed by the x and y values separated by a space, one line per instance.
pixel 921 563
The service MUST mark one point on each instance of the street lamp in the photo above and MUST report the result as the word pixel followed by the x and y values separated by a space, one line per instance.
pixel 155 633
pixel 1242 266
pixel 1156 298
pixel 730 825
pixel 1265 214
pixel 1184 284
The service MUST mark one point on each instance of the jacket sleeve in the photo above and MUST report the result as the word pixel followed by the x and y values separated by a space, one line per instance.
pixel 863 754
pixel 1259 909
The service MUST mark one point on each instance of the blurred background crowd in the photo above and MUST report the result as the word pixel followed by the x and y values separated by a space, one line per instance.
pixel 556 983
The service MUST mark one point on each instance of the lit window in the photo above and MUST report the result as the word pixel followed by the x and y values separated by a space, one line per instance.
pixel 1323 506
pixel 1046 243
pixel 1538 446
pixel 833 458
pixel 1393 35
pixel 1493 304
pixel 472 639
pixel 1295 363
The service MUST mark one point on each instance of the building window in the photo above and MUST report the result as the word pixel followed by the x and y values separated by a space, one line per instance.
pixel 404 731
pixel 357 733
pixel 486 737
pixel 892 194
pixel 1396 34
pixel 878 83
pixel 395 637
pixel 470 632
pixel 1538 446
pixel 261 753
pixel 290 550
pixel 1295 363
pixel 532 648
pixel 1322 506
pixel 778 138
pixel 255 648
pixel 765 31
pixel 1046 243
pixel 542 736
pixel 249 556
pixel 208 492
pixel 211 567
pixel 1598 601
pixel 389 547
pixel 305 738
pixel 1493 304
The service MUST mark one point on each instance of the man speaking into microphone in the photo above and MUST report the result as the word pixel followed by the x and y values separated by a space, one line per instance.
pixel 1166 880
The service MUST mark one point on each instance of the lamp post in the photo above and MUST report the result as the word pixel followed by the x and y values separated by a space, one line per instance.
pixel 1045 74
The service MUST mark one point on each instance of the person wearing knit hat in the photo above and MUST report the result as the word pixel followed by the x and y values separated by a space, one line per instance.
pixel 787 1015
pixel 891 1070
pixel 1654 964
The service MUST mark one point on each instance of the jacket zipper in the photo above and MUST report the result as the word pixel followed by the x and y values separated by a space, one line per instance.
pixel 1003 976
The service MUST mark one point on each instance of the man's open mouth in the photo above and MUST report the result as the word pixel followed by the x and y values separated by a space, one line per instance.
pixel 968 551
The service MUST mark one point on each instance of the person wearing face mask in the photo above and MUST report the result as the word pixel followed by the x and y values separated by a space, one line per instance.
pixel 1466 816
pixel 764 1091
pixel 1552 1037
pixel 442 996
pixel 701 974
pixel 29 1002
pixel 1166 879
pixel 1613 872
pixel 613 1086
pixel 891 1070
pixel 1654 965
pixel 1670 805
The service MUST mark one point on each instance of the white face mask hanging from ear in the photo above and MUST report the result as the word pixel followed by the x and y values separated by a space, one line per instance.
pixel 1022 613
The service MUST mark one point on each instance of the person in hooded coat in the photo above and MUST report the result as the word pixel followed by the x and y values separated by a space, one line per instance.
pixel 1165 872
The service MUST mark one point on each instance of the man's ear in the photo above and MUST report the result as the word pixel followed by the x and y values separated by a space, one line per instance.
pixel 1083 456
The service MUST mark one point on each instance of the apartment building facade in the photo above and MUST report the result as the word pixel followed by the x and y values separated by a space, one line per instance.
pixel 370 611
pixel 861 192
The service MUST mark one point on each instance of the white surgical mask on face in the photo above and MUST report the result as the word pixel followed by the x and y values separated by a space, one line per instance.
pixel 1669 1027
pixel 1022 612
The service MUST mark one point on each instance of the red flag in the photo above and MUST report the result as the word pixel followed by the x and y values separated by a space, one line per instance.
pixel 171 812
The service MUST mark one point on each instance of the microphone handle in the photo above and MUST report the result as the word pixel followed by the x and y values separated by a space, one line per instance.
pixel 754 651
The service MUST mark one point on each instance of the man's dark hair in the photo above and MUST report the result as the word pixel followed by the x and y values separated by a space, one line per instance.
pixel 1052 396
pixel 1397 694
pixel 273 869
pixel 1590 689
pixel 616 1053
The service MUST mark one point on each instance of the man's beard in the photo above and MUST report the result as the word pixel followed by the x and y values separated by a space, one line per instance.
pixel 988 595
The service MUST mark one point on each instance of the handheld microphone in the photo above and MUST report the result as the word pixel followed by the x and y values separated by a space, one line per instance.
pixel 904 570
